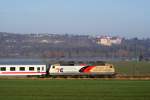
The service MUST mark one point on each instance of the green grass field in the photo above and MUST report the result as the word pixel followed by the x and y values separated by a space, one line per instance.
pixel 74 90
pixel 134 68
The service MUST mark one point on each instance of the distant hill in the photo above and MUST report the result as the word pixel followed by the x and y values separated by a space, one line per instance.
pixel 56 45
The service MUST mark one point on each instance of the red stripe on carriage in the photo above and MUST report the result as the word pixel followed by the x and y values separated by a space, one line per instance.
pixel 23 73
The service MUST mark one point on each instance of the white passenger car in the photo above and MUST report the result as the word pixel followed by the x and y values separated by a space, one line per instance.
pixel 15 70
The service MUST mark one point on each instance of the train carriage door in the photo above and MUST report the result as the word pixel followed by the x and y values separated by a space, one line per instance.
pixel 38 69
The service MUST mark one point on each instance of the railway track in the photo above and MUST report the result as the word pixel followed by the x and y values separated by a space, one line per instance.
pixel 69 78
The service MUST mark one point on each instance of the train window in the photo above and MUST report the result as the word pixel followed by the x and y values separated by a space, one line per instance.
pixel 22 68
pixel 3 68
pixel 12 68
pixel 38 68
pixel 42 68
pixel 31 68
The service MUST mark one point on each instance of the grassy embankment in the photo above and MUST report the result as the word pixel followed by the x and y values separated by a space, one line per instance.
pixel 74 90
pixel 132 68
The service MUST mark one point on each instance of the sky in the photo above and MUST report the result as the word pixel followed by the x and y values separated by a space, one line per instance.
pixel 125 18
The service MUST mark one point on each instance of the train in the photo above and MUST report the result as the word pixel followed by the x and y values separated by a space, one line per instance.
pixel 58 70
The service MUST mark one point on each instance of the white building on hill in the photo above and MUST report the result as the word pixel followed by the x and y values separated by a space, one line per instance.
pixel 108 41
